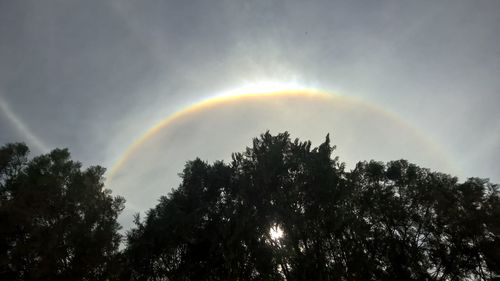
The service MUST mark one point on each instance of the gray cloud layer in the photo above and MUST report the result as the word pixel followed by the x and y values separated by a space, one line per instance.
pixel 94 75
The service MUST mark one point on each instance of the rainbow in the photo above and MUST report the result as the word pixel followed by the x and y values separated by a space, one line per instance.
pixel 21 127
pixel 252 93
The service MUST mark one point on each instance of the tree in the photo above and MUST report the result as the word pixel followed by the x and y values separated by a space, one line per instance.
pixel 376 222
pixel 56 220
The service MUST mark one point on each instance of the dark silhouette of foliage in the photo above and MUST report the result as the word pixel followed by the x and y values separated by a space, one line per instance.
pixel 56 220
pixel 379 221
pixel 393 221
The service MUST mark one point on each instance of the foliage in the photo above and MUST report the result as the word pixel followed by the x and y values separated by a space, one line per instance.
pixel 56 220
pixel 393 221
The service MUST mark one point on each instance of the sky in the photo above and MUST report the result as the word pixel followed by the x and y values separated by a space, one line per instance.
pixel 405 79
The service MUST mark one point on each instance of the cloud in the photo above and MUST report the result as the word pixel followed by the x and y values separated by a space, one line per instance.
pixel 93 76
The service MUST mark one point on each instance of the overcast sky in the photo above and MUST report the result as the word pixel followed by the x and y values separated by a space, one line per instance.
pixel 93 76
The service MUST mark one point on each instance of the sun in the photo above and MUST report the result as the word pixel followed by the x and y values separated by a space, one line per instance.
pixel 275 232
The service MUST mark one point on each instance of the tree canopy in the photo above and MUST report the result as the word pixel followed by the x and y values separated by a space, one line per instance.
pixel 282 210
pixel 57 222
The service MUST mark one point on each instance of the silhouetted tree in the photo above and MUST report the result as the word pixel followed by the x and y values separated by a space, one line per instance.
pixel 56 220
pixel 393 221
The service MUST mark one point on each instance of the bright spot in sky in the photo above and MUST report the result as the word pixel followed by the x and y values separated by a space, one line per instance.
pixel 276 232
pixel 262 88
